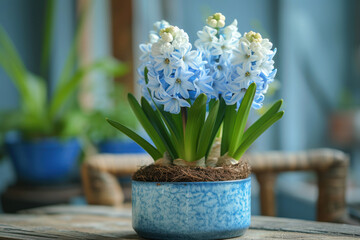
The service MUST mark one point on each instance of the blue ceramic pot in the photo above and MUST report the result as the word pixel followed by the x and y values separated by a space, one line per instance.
pixel 191 210
pixel 43 161
pixel 119 147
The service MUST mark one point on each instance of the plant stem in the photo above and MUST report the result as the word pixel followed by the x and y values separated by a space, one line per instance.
pixel 184 118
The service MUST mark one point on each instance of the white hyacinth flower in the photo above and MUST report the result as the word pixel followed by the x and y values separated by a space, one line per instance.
pixel 180 84
pixel 171 38
pixel 145 50
pixel 231 31
pixel 181 40
pixel 207 38
pixel 224 45
pixel 266 46
pixel 160 25
pixel 161 47
pixel 246 75
pixel 266 67
pixel 244 55
pixel 153 38
pixel 154 85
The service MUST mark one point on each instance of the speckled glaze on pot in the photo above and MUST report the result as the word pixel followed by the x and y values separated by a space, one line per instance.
pixel 191 210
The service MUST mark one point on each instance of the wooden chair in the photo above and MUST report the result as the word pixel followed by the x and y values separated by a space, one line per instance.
pixel 101 186
pixel 330 167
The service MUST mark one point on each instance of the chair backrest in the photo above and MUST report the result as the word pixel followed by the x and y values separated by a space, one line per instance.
pixel 101 186
pixel 330 166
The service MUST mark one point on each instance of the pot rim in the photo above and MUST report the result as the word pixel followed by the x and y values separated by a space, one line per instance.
pixel 194 183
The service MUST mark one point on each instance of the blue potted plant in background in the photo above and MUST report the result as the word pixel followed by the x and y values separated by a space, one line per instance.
pixel 195 106
pixel 43 134
pixel 102 135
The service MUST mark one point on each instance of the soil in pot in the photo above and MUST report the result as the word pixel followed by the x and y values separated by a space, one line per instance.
pixel 159 173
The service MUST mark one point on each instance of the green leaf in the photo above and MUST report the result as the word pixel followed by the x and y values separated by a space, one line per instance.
pixel 36 107
pixel 155 119
pixel 263 119
pixel 154 153
pixel 173 122
pixel 146 75
pixel 170 121
pixel 176 119
pixel 241 119
pixel 219 120
pixel 255 134
pixel 195 122
pixel 13 66
pixel 32 89
pixel 145 122
pixel 228 127
pixel 109 66
pixel 207 131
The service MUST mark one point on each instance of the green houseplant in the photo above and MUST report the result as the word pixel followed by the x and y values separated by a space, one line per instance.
pixel 102 135
pixel 47 124
pixel 195 107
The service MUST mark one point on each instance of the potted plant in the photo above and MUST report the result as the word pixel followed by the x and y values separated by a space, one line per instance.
pixel 103 136
pixel 195 107
pixel 44 140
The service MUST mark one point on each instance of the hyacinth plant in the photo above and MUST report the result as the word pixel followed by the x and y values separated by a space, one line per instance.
pixel 192 96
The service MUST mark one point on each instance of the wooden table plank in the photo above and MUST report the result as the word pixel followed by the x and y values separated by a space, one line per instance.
pixel 304 227
pixel 94 222
pixel 65 227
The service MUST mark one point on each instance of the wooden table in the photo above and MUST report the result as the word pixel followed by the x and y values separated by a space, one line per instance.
pixel 97 222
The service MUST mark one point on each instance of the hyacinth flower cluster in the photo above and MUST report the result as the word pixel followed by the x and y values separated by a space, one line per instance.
pixel 235 61
pixel 175 72
pixel 193 97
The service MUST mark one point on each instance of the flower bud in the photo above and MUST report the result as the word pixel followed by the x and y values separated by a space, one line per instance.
pixel 221 23
pixel 219 16
pixel 212 23
pixel 168 34
pixel 167 37
pixel 253 37
pixel 216 21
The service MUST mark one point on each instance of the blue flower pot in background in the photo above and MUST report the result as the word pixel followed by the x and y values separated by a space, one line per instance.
pixel 44 161
pixel 191 210
pixel 119 147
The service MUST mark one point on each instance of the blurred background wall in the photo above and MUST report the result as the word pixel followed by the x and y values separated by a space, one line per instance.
pixel 317 60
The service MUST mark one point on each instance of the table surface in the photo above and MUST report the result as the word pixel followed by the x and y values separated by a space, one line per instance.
pixel 100 222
